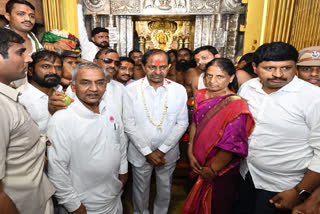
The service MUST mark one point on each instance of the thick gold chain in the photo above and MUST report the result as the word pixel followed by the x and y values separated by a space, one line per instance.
pixel 164 110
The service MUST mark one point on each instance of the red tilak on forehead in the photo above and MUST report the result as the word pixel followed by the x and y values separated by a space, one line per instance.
pixel 157 62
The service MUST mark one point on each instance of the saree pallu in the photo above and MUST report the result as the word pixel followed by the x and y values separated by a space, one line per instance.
pixel 222 123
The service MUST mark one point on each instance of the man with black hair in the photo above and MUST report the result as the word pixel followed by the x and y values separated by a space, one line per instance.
pixel 99 37
pixel 282 167
pixel 187 67
pixel 70 59
pixel 247 58
pixel 24 188
pixel 125 72
pixel 44 74
pixel 155 118
pixel 136 56
pixel 172 73
pixel 21 17
pixel 202 56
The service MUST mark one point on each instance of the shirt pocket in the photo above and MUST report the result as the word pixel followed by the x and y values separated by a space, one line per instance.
pixel 114 137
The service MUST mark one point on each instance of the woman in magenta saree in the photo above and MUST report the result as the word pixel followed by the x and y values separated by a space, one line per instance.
pixel 221 125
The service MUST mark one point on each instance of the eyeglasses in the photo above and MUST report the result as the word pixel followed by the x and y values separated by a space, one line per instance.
pixel 109 61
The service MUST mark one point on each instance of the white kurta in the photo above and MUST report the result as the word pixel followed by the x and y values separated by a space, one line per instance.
pixel 87 155
pixel 145 137
pixel 88 49
pixel 170 99
pixel 286 139
pixel 36 103
pixel 115 95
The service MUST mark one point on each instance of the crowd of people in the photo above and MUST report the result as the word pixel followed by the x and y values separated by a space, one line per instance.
pixel 75 117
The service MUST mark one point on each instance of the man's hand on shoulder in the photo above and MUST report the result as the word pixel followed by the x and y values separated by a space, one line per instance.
pixel 286 200
pixel 156 158
pixel 80 210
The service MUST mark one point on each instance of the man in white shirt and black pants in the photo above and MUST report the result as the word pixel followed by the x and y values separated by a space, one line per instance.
pixel 283 163
pixel 155 117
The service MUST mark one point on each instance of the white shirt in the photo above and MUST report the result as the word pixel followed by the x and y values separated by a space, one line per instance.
pixel 88 49
pixel 70 93
pixel 36 103
pixel 87 155
pixel 201 84
pixel 114 96
pixel 144 137
pixel 286 139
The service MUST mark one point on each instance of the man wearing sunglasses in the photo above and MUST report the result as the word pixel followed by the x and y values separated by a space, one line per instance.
pixel 110 61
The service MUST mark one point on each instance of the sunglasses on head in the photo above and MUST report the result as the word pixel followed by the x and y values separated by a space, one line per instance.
pixel 108 61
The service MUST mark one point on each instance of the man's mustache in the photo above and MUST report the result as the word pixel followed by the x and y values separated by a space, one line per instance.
pixel 52 75
pixel 27 22
pixel 111 69
pixel 277 78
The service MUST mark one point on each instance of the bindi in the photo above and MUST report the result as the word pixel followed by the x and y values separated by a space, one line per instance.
pixel 157 62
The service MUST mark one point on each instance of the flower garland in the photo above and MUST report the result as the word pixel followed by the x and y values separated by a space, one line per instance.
pixel 55 35
pixel 164 110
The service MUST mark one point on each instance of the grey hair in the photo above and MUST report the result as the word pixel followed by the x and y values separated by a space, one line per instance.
pixel 88 65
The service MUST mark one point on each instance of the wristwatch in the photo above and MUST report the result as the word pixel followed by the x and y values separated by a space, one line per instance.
pixel 303 194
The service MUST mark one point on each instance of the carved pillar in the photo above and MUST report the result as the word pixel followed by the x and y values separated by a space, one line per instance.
pixel 197 30
pixel 233 30
pixel 180 43
pixel 186 43
pixel 94 21
pixel 125 43
pixel 141 44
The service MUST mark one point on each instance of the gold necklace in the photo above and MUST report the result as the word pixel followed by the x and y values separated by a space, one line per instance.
pixel 164 110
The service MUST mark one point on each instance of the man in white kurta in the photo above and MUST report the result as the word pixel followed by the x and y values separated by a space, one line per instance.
pixel 99 37
pixel 87 156
pixel 44 77
pixel 155 117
